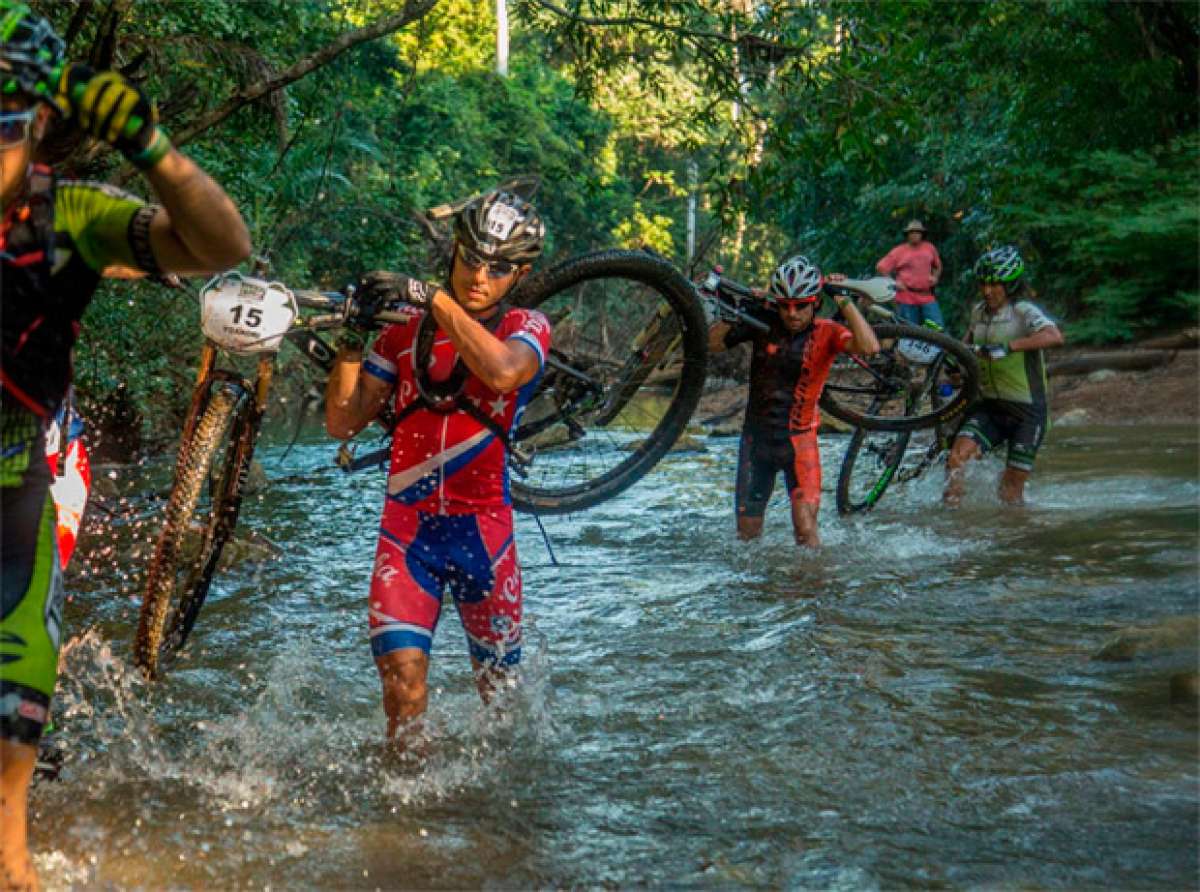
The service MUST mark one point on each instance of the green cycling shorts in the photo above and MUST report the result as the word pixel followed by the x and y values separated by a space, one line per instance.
pixel 31 590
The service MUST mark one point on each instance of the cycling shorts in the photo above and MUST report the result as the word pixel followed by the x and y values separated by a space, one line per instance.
pixel 1023 427
pixel 421 556
pixel 31 590
pixel 762 455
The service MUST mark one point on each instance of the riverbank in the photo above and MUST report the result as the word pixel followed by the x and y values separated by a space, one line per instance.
pixel 1167 394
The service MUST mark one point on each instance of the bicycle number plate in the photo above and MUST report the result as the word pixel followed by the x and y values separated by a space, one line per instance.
pixel 918 352
pixel 246 315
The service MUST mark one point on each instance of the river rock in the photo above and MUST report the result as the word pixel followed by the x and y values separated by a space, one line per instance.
pixel 1073 417
pixel 256 479
pixel 686 443
pixel 248 546
pixel 1177 633
pixel 1100 375
pixel 831 425
pixel 1185 689
pixel 726 429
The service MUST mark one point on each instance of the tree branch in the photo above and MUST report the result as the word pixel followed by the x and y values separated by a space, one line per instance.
pixel 413 10
pixel 746 41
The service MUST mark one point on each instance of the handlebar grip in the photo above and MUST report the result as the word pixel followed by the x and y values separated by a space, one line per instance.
pixel 319 300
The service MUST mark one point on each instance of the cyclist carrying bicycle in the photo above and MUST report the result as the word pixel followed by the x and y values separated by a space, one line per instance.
pixel 788 368
pixel 458 377
pixel 57 237
pixel 1009 333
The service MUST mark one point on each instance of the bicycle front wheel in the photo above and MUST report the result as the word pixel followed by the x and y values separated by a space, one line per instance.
pixel 620 385
pixel 868 468
pixel 883 392
pixel 200 515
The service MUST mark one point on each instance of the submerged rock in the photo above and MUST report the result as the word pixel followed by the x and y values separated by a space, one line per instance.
pixel 248 546
pixel 1185 689
pixel 1073 417
pixel 1177 633
pixel 686 443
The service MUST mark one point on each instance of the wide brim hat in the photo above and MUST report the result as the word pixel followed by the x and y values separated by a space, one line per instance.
pixel 914 225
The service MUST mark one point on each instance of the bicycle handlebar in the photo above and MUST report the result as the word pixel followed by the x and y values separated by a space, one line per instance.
pixel 334 302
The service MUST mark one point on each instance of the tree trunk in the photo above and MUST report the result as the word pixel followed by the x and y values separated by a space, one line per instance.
pixel 1123 360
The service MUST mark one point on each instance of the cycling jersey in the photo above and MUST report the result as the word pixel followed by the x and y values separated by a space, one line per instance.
pixel 55 242
pixel 788 371
pixel 450 462
pixel 1019 377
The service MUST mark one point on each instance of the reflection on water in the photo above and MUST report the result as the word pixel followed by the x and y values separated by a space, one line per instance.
pixel 916 705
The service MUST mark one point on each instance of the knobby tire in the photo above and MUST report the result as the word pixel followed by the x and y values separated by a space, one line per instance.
pixel 671 286
pixel 941 413
pixel 153 642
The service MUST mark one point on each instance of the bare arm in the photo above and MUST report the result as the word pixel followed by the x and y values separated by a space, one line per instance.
pixel 1049 336
pixel 716 336
pixel 352 399
pixel 864 342
pixel 200 229
pixel 501 365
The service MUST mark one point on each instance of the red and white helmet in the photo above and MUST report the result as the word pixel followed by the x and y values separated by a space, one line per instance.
pixel 796 279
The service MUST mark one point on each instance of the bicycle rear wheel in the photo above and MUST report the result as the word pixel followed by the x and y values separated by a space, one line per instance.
pixel 878 392
pixel 200 516
pixel 620 385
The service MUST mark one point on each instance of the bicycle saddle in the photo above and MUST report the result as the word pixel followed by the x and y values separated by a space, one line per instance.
pixel 880 289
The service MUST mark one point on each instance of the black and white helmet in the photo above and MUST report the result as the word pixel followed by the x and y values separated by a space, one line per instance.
pixel 798 279
pixel 501 226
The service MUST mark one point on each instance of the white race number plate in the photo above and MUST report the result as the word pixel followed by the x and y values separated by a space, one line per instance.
pixel 246 315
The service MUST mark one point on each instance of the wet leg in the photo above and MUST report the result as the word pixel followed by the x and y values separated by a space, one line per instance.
pixel 404 674
pixel 964 450
pixel 804 524
pixel 1012 486
pixel 16 771
pixel 749 527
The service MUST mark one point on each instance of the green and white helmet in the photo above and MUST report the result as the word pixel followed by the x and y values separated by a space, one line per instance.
pixel 31 54
pixel 1002 265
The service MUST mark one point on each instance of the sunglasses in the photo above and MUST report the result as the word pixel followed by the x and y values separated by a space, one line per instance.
pixel 496 269
pixel 14 127
pixel 795 304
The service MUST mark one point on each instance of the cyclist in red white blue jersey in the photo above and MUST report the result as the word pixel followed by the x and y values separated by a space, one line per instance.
pixel 458 377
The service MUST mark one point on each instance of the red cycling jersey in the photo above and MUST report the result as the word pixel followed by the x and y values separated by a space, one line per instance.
pixel 450 463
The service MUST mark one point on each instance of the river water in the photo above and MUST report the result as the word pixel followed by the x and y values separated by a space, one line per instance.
pixel 918 705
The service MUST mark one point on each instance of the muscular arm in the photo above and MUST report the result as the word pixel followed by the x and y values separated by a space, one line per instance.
pixel 716 336
pixel 502 365
pixel 864 342
pixel 352 399
pixel 1049 336
pixel 200 230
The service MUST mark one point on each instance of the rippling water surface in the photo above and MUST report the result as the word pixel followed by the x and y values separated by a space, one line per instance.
pixel 917 705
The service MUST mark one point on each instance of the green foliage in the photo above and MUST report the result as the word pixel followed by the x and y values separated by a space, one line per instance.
pixel 1067 127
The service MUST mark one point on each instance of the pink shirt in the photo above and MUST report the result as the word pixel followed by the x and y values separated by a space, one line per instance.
pixel 912 267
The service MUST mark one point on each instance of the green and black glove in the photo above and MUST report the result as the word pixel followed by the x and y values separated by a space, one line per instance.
pixel 108 107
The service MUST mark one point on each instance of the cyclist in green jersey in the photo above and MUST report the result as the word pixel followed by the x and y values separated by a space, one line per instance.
pixel 1008 333
pixel 56 240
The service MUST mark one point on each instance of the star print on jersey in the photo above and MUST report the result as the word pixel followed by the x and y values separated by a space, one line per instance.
pixel 449 462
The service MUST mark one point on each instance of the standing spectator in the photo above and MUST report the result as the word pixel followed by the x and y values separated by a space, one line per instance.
pixel 916 267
